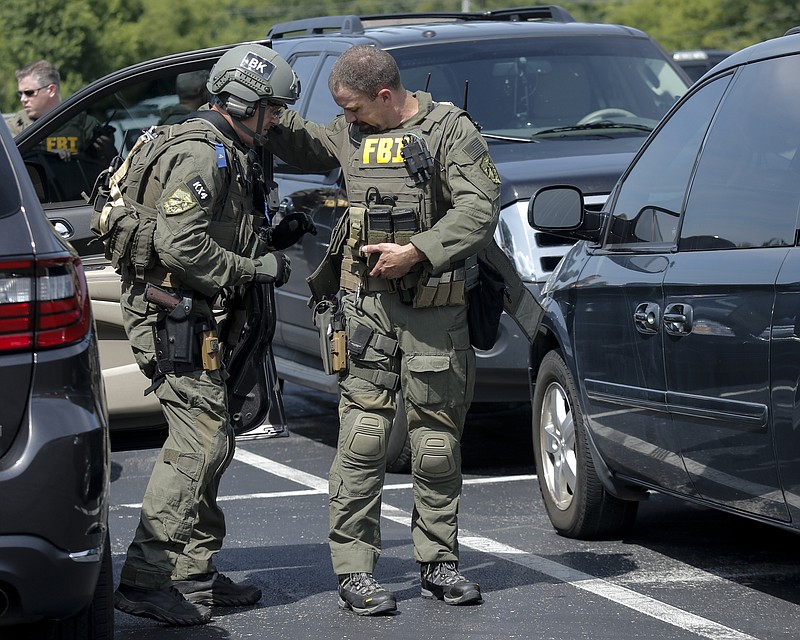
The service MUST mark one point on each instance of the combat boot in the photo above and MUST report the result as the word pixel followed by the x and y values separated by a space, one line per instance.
pixel 362 594
pixel 216 590
pixel 165 605
pixel 443 581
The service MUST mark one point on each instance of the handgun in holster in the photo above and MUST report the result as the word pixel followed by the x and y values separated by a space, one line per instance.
pixel 329 320
pixel 174 333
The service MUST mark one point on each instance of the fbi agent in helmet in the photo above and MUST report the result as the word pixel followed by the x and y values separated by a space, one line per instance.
pixel 197 211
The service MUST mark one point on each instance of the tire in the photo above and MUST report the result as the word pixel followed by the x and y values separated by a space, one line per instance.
pixel 398 449
pixel 577 503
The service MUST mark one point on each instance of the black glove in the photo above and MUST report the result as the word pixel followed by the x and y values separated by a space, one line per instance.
pixel 273 268
pixel 291 229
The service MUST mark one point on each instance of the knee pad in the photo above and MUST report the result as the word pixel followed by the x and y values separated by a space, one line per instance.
pixel 366 439
pixel 435 456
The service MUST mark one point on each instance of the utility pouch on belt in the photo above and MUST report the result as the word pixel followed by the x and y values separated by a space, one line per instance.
pixel 210 351
pixel 445 290
pixel 359 340
pixel 458 286
pixel 329 321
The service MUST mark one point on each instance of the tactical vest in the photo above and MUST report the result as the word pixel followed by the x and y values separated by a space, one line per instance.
pixel 125 216
pixel 386 205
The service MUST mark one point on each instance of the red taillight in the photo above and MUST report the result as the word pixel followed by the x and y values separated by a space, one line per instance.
pixel 43 304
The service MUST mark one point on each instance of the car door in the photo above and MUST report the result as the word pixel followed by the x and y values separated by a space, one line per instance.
pixel 619 342
pixel 738 227
pixel 124 104
pixel 322 197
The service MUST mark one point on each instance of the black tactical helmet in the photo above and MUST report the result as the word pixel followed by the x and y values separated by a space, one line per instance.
pixel 252 72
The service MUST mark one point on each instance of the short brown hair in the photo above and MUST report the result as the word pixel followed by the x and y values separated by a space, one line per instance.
pixel 366 69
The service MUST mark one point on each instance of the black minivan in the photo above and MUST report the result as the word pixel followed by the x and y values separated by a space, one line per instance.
pixel 670 354
pixel 55 557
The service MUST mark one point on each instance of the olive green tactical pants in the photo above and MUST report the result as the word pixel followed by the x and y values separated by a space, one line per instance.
pixel 181 527
pixel 435 364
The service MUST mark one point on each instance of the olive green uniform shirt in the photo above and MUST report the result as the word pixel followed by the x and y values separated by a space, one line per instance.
pixel 470 187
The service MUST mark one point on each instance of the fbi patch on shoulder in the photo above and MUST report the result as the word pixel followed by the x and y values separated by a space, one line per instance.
pixel 489 169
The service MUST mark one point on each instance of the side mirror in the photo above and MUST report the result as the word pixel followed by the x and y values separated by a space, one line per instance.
pixel 559 210
pixel 556 209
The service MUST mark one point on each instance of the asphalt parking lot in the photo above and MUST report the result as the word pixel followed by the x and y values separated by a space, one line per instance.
pixel 684 572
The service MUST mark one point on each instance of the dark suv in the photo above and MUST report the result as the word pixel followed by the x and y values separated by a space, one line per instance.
pixel 697 62
pixel 55 557
pixel 557 101
pixel 670 357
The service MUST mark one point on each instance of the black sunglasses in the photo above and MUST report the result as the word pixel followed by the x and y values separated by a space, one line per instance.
pixel 30 92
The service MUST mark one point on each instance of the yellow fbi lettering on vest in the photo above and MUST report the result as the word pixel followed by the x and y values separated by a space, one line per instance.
pixel 381 150
pixel 70 143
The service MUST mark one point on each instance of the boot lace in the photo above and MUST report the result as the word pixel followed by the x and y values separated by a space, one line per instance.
pixel 363 584
pixel 445 573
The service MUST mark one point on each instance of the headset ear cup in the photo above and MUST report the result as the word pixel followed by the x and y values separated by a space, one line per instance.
pixel 238 108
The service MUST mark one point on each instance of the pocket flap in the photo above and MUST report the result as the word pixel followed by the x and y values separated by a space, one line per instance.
pixel 422 364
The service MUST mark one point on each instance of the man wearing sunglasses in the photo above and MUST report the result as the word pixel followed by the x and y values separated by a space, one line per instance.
pixel 38 89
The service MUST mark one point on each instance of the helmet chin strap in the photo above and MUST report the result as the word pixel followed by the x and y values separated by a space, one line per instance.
pixel 258 139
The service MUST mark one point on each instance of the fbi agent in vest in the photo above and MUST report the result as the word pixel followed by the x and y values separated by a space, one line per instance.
pixel 39 91
pixel 203 196
pixel 423 201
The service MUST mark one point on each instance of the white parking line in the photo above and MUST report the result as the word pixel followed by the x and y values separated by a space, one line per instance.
pixel 615 593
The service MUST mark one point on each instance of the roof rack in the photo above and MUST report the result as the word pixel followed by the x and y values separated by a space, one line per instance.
pixel 354 25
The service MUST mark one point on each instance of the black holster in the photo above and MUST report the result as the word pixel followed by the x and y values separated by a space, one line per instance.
pixel 174 331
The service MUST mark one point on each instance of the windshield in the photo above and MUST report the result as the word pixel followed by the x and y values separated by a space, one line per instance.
pixel 522 86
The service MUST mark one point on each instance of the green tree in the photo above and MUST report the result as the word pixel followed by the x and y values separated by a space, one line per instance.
pixel 35 29
pixel 87 39
pixel 706 24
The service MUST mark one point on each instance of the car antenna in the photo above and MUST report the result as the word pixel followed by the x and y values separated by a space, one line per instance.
pixel 466 101
pixel 428 82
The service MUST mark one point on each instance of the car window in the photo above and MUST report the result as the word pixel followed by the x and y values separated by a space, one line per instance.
pixel 303 66
pixel 650 199
pixel 321 107
pixel 72 157
pixel 746 190
pixel 519 86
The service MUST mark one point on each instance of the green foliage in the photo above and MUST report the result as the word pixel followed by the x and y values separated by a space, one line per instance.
pixel 704 24
pixel 87 39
